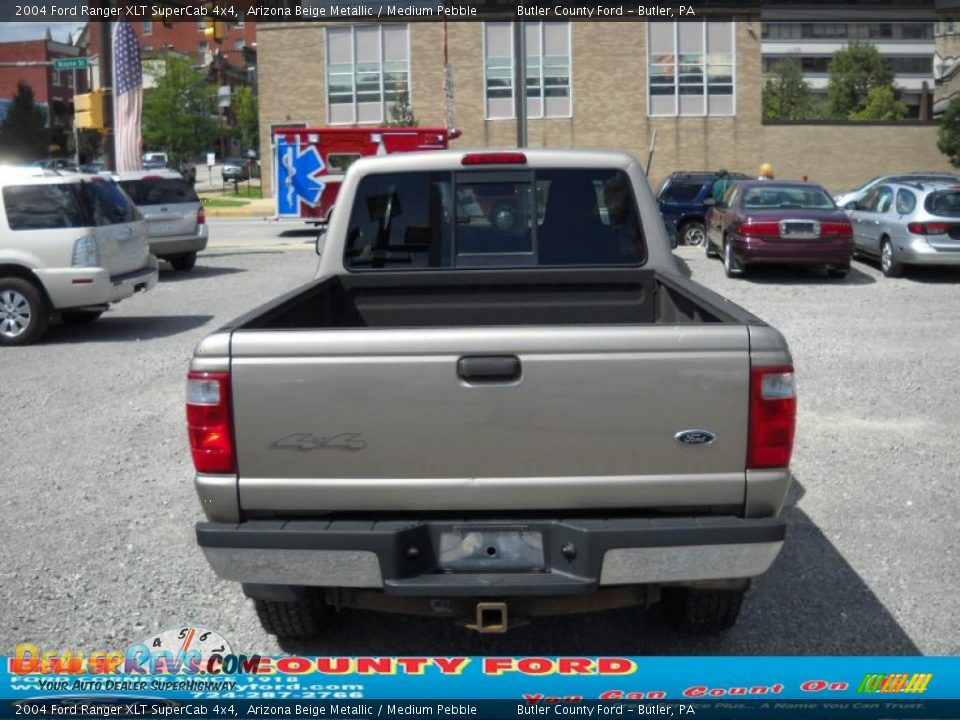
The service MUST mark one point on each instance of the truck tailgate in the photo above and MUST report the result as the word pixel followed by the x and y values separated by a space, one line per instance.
pixel 367 419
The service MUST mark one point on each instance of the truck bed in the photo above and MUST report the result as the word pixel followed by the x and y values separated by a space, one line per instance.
pixel 494 298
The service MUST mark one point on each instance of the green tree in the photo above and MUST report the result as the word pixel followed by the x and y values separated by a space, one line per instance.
pixel 88 142
pixel 401 113
pixel 179 114
pixel 786 95
pixel 23 134
pixel 246 117
pixel 854 71
pixel 881 104
pixel 949 140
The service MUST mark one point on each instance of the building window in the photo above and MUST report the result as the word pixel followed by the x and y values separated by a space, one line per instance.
pixel 202 51
pixel 690 68
pixel 240 20
pixel 201 25
pixel 147 26
pixel 70 82
pixel 238 44
pixel 548 69
pixel 55 78
pixel 367 67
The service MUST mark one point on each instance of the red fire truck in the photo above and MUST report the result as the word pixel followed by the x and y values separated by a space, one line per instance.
pixel 309 162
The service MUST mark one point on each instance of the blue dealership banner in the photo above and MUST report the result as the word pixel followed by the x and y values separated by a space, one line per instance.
pixel 138 682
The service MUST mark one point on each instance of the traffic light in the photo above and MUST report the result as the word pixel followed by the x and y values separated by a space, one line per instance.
pixel 88 110
pixel 213 30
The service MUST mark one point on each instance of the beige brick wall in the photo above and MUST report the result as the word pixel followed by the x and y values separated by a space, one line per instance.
pixel 609 96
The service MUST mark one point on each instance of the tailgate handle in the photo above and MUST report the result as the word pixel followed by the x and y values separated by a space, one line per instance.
pixel 489 369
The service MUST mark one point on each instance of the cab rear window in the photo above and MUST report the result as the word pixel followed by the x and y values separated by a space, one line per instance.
pixel 159 191
pixel 45 207
pixel 494 219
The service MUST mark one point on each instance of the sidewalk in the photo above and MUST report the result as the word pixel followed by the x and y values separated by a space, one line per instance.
pixel 255 208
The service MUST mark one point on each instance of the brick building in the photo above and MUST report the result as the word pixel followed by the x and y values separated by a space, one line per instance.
pixel 52 89
pixel 590 84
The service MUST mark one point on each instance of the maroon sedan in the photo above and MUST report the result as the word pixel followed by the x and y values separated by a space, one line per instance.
pixel 779 223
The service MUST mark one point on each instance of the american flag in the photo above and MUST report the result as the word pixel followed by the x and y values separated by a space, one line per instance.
pixel 127 97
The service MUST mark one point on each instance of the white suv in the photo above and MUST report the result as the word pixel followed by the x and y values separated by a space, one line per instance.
pixel 71 244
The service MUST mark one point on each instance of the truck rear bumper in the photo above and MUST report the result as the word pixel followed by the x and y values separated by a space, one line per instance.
pixel 489 558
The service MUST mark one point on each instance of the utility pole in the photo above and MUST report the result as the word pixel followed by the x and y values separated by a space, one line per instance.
pixel 520 81
pixel 106 84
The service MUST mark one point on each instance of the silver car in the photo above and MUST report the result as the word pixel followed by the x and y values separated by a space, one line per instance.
pixel 910 223
pixel 176 224
pixel 848 198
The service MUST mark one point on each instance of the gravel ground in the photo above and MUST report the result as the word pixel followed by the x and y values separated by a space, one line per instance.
pixel 97 502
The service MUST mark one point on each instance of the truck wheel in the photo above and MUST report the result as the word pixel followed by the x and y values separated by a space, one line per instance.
pixel 889 265
pixel 692 233
pixel 80 317
pixel 296 620
pixel 701 612
pixel 184 262
pixel 24 313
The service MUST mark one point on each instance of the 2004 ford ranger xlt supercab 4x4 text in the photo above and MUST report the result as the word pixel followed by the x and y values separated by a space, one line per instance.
pixel 491 415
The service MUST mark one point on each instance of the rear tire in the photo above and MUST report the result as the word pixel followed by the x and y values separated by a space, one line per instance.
pixel 80 317
pixel 701 612
pixel 24 312
pixel 184 262
pixel 731 267
pixel 889 265
pixel 293 620
pixel 692 234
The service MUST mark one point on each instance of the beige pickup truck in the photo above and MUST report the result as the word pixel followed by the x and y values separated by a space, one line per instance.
pixel 489 418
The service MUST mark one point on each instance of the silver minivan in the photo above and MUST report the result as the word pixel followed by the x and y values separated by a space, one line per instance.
pixel 908 223
pixel 70 244
pixel 176 224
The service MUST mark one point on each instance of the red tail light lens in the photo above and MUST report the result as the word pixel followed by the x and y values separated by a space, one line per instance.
pixel 918 228
pixel 836 229
pixel 201 216
pixel 773 417
pixel 494 158
pixel 760 229
pixel 209 422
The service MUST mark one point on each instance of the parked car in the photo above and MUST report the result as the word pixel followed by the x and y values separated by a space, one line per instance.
pixel 176 223
pixel 156 160
pixel 532 481
pixel 58 164
pixel 911 223
pixel 847 199
pixel 236 168
pixel 682 199
pixel 71 244
pixel 782 223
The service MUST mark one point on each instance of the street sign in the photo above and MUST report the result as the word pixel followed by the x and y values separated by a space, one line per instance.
pixel 77 63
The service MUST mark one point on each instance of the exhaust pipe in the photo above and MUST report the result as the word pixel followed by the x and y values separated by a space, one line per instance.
pixel 491 618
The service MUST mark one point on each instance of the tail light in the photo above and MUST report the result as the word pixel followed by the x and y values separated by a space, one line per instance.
pixel 201 216
pixel 209 422
pixel 918 228
pixel 773 417
pixel 836 229
pixel 494 158
pixel 86 252
pixel 760 229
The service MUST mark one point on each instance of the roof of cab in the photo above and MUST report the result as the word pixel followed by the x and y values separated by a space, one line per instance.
pixel 33 175
pixel 141 174
pixel 453 160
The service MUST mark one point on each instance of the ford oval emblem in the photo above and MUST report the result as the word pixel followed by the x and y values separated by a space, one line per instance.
pixel 694 437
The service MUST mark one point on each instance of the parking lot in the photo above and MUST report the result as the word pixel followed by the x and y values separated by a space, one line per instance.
pixel 98 503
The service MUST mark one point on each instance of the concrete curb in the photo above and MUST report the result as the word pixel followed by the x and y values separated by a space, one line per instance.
pixel 255 208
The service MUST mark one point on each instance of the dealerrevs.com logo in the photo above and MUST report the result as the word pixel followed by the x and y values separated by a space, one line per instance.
pixel 180 651
pixel 895 683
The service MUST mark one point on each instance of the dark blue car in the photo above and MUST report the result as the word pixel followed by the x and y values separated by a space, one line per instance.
pixel 682 196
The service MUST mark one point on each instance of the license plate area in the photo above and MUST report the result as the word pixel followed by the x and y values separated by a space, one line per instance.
pixel 799 229
pixel 473 549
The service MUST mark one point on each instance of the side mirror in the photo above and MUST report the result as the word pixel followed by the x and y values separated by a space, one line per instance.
pixel 852 205
pixel 320 242
pixel 710 202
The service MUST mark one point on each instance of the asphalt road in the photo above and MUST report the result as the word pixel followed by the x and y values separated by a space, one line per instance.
pixel 97 503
